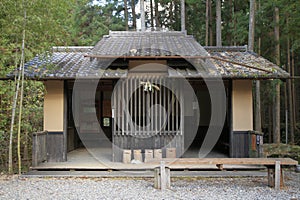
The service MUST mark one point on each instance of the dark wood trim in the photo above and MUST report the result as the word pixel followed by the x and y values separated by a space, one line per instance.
pixel 230 118
pixel 55 133
pixel 65 133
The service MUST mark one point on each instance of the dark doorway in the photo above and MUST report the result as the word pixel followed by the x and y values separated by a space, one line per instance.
pixel 87 126
pixel 193 143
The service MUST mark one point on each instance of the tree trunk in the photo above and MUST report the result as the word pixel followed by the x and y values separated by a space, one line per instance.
pixel 234 24
pixel 251 26
pixel 126 14
pixel 218 23
pixel 151 13
pixel 257 83
pixel 171 13
pixel 182 13
pixel 270 125
pixel 207 23
pixel 289 90
pixel 157 23
pixel 294 93
pixel 211 38
pixel 142 5
pixel 276 125
pixel 133 14
pixel 229 35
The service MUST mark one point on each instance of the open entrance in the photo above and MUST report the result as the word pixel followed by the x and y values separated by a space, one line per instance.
pixel 193 143
pixel 89 117
pixel 102 123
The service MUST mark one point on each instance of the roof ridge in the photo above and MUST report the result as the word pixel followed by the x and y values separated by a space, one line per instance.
pixel 130 33
pixel 226 48
pixel 72 48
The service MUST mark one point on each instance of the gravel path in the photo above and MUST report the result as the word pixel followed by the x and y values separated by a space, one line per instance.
pixel 112 188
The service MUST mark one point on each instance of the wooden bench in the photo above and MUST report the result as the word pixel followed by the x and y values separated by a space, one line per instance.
pixel 274 166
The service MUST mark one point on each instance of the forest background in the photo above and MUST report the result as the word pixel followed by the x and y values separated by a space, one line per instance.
pixel 83 22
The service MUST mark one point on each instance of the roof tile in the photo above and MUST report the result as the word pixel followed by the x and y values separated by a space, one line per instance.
pixel 76 62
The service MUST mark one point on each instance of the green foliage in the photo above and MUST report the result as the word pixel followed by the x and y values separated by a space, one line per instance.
pixel 91 22
pixel 47 24
pixel 282 151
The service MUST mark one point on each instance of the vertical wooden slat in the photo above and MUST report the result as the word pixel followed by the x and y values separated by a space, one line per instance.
pixel 139 105
pixel 169 110
pixel 177 109
pixel 135 105
pixel 127 133
pixel 164 106
pixel 118 109
pixel 114 126
pixel 151 115
pixel 181 135
pixel 156 111
pixel 173 107
pixel 144 108
pixel 122 114
pixel 160 110
pixel 131 105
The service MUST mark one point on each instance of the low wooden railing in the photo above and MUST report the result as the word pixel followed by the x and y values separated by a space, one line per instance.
pixel 39 147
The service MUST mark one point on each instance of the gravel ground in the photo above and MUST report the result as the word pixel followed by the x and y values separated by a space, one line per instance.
pixel 14 187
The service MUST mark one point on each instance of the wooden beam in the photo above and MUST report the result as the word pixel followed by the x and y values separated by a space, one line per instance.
pixel 177 57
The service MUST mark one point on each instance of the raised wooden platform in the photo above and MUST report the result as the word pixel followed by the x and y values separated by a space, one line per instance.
pixel 100 159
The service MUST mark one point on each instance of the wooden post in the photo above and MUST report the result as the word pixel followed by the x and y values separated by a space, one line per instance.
pixel 162 178
pixel 271 177
pixel 162 175
pixel 168 177
pixel 277 175
pixel 157 178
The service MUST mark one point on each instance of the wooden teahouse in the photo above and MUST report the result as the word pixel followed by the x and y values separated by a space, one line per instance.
pixel 147 70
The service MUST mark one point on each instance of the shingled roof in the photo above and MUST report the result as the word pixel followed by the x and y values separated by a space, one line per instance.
pixel 95 62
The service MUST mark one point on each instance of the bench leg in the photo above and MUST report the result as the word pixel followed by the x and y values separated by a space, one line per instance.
pixel 157 178
pixel 162 178
pixel 275 176
pixel 271 177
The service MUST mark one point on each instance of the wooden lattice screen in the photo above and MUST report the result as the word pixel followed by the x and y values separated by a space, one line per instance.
pixel 147 114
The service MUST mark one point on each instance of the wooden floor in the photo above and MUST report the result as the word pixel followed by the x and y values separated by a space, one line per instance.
pixel 100 159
